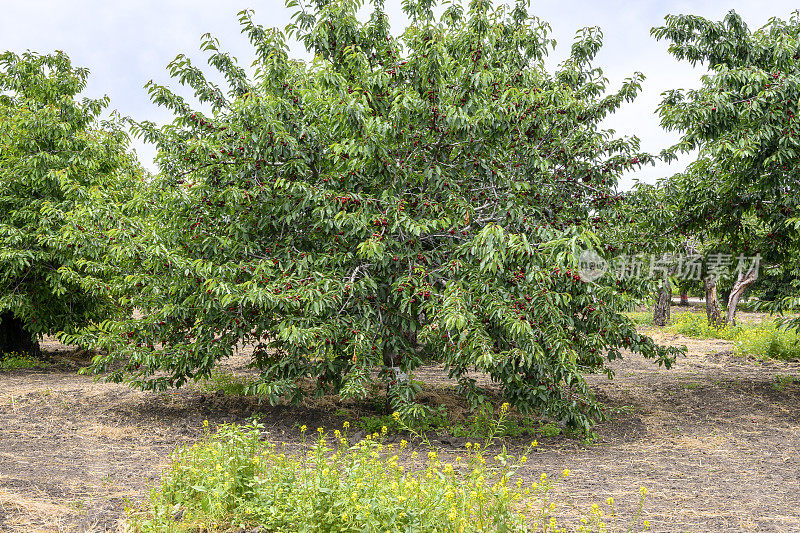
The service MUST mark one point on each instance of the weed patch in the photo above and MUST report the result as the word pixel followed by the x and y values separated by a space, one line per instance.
pixel 233 479
pixel 762 340
pixel 19 361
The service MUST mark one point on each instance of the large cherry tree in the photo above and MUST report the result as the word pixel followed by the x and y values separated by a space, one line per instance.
pixel 393 199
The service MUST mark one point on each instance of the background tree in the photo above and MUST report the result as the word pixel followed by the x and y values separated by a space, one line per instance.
pixel 741 189
pixel 54 157
pixel 392 198
pixel 649 234
pixel 642 230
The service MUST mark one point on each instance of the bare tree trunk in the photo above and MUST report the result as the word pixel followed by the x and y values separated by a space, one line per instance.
pixel 744 280
pixel 684 298
pixel 14 338
pixel 663 301
pixel 712 304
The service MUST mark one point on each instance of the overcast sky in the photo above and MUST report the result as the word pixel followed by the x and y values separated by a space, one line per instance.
pixel 125 43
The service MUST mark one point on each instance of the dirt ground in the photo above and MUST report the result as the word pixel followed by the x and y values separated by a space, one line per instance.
pixel 716 440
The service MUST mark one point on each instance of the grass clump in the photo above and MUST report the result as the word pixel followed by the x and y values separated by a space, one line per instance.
pixel 233 479
pixel 368 415
pixel 641 318
pixel 485 424
pixel 783 381
pixel 434 420
pixel 229 384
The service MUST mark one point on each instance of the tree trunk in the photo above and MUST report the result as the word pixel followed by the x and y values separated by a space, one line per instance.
pixel 684 298
pixel 663 301
pixel 744 281
pixel 13 336
pixel 712 304
pixel 724 295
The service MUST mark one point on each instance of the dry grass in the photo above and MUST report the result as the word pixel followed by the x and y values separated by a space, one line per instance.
pixel 23 513
pixel 114 432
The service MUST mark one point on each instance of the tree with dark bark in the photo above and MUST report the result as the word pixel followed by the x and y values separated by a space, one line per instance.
pixel 54 158
pixel 646 225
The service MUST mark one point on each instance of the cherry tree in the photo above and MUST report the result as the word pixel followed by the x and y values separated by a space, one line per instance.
pixel 394 199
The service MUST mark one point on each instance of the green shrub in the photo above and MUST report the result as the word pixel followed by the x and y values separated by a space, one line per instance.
pixel 426 202
pixel 234 479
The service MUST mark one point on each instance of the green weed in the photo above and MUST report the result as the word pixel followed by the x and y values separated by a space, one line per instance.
pixel 485 423
pixel 233 479
pixel 229 384
pixel 696 325
pixel 642 318
pixel 763 340
pixel 433 420
pixel 17 361
pixel 769 341
pixel 782 381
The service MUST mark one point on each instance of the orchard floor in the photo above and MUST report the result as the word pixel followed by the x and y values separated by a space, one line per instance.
pixel 716 440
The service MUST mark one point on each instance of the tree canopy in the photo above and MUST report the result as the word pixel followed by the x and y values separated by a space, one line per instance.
pixel 392 200
pixel 55 156
pixel 743 121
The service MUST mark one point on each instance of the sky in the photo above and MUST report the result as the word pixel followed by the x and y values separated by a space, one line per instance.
pixel 125 43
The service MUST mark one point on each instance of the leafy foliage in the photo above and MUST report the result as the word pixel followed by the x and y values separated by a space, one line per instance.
pixel 54 159
pixel 743 120
pixel 393 199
